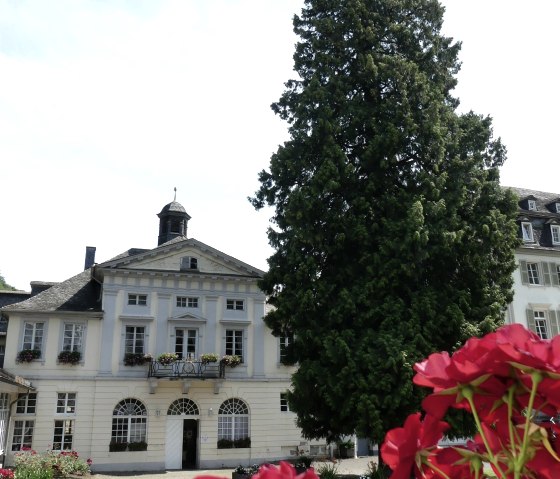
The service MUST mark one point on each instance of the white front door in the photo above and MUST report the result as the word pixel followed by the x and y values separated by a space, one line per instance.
pixel 174 442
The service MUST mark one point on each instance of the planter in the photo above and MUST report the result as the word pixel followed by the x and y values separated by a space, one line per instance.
pixel 118 446
pixel 28 355
pixel 137 359
pixel 69 357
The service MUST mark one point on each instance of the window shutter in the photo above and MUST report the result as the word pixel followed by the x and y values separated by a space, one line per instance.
pixel 524 272
pixel 546 274
pixel 553 320
pixel 531 320
pixel 554 274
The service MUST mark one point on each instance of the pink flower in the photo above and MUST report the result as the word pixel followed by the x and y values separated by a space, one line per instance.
pixel 284 471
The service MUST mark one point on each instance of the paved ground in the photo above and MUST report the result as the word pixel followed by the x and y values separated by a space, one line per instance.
pixel 345 466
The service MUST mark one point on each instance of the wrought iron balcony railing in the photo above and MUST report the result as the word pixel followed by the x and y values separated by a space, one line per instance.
pixel 186 369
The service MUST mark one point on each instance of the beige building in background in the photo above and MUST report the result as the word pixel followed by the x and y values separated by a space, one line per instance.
pixel 128 412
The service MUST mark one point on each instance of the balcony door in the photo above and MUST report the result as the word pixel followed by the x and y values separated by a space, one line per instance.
pixel 186 343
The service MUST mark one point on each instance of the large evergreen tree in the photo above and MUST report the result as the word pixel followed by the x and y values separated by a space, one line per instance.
pixel 392 236
pixel 4 285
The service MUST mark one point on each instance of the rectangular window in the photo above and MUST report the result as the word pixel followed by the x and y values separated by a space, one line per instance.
pixel 187 302
pixel 285 342
pixel 63 434
pixel 138 299
pixel 26 403
pixel 527 231
pixel 23 435
pixel 33 336
pixel 73 337
pixel 533 272
pixel 284 402
pixel 128 429
pixel 541 327
pixel 66 403
pixel 186 343
pixel 557 207
pixel 555 230
pixel 235 304
pixel 134 339
pixel 234 343
pixel 532 205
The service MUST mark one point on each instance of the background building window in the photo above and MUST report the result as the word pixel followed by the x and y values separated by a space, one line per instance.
pixel 187 302
pixel 284 402
pixel 235 304
pixel 541 326
pixel 285 342
pixel 183 406
pixel 73 337
pixel 533 271
pixel 66 403
pixel 26 403
pixel 129 422
pixel 555 230
pixel 63 434
pixel 138 299
pixel 134 339
pixel 233 420
pixel 23 435
pixel 33 336
pixel 527 231
pixel 234 342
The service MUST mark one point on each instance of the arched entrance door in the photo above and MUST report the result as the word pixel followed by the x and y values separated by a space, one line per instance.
pixel 181 439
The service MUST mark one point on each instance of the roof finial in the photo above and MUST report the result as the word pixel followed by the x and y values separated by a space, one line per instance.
pixel 175 195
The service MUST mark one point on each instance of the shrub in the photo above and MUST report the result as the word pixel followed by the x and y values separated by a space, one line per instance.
pixel 30 465
pixel 327 471
pixel 6 474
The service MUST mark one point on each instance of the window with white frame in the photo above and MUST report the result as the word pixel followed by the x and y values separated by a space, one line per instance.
pixel 233 420
pixel 134 339
pixel 189 262
pixel 533 272
pixel 138 299
pixel 129 421
pixel 66 403
pixel 23 434
pixel 557 207
pixel 527 231
pixel 234 343
pixel 73 337
pixel 555 230
pixel 33 334
pixel 235 304
pixel 541 324
pixel 186 343
pixel 532 205
pixel 284 342
pixel 63 435
pixel 284 402
pixel 187 302
pixel 26 403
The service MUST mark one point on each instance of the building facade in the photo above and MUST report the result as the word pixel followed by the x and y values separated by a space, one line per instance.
pixel 536 302
pixel 90 347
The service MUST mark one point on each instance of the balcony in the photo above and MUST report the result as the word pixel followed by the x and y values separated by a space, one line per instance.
pixel 185 369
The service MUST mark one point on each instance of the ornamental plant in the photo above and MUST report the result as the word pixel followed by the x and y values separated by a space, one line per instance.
pixel 208 358
pixel 6 474
pixel 508 380
pixel 28 355
pixel 137 359
pixel 268 471
pixel 167 358
pixel 231 360
pixel 69 357
pixel 31 465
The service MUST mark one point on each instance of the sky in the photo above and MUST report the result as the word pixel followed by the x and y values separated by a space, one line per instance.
pixel 106 106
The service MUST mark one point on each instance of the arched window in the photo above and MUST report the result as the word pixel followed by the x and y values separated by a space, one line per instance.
pixel 129 422
pixel 183 406
pixel 233 420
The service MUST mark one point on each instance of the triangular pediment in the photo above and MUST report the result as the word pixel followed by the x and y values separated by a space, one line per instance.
pixel 176 256
pixel 195 318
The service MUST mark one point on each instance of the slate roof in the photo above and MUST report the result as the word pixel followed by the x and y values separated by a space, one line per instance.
pixel 174 207
pixel 79 293
pixel 542 199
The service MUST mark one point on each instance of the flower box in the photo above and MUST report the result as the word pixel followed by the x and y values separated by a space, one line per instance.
pixel 230 360
pixel 167 358
pixel 137 359
pixel 28 355
pixel 117 446
pixel 69 357
pixel 208 358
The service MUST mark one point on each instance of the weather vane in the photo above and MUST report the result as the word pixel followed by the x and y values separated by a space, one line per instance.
pixel 175 195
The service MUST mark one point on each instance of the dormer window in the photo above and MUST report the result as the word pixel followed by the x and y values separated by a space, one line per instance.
pixel 555 231
pixel 189 262
pixel 557 207
pixel 532 205
pixel 527 231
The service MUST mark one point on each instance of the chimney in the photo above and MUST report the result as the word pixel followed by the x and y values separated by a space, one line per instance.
pixel 90 257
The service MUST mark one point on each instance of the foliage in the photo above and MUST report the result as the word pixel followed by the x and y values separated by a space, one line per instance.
pixel 376 471
pixel 115 446
pixel 138 446
pixel 5 286
pixel 208 358
pixel 328 471
pixel 6 474
pixel 167 358
pixel 230 360
pixel 392 236
pixel 303 462
pixel 247 471
pixel 506 380
pixel 137 359
pixel 284 471
pixel 28 355
pixel 69 357
pixel 30 465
